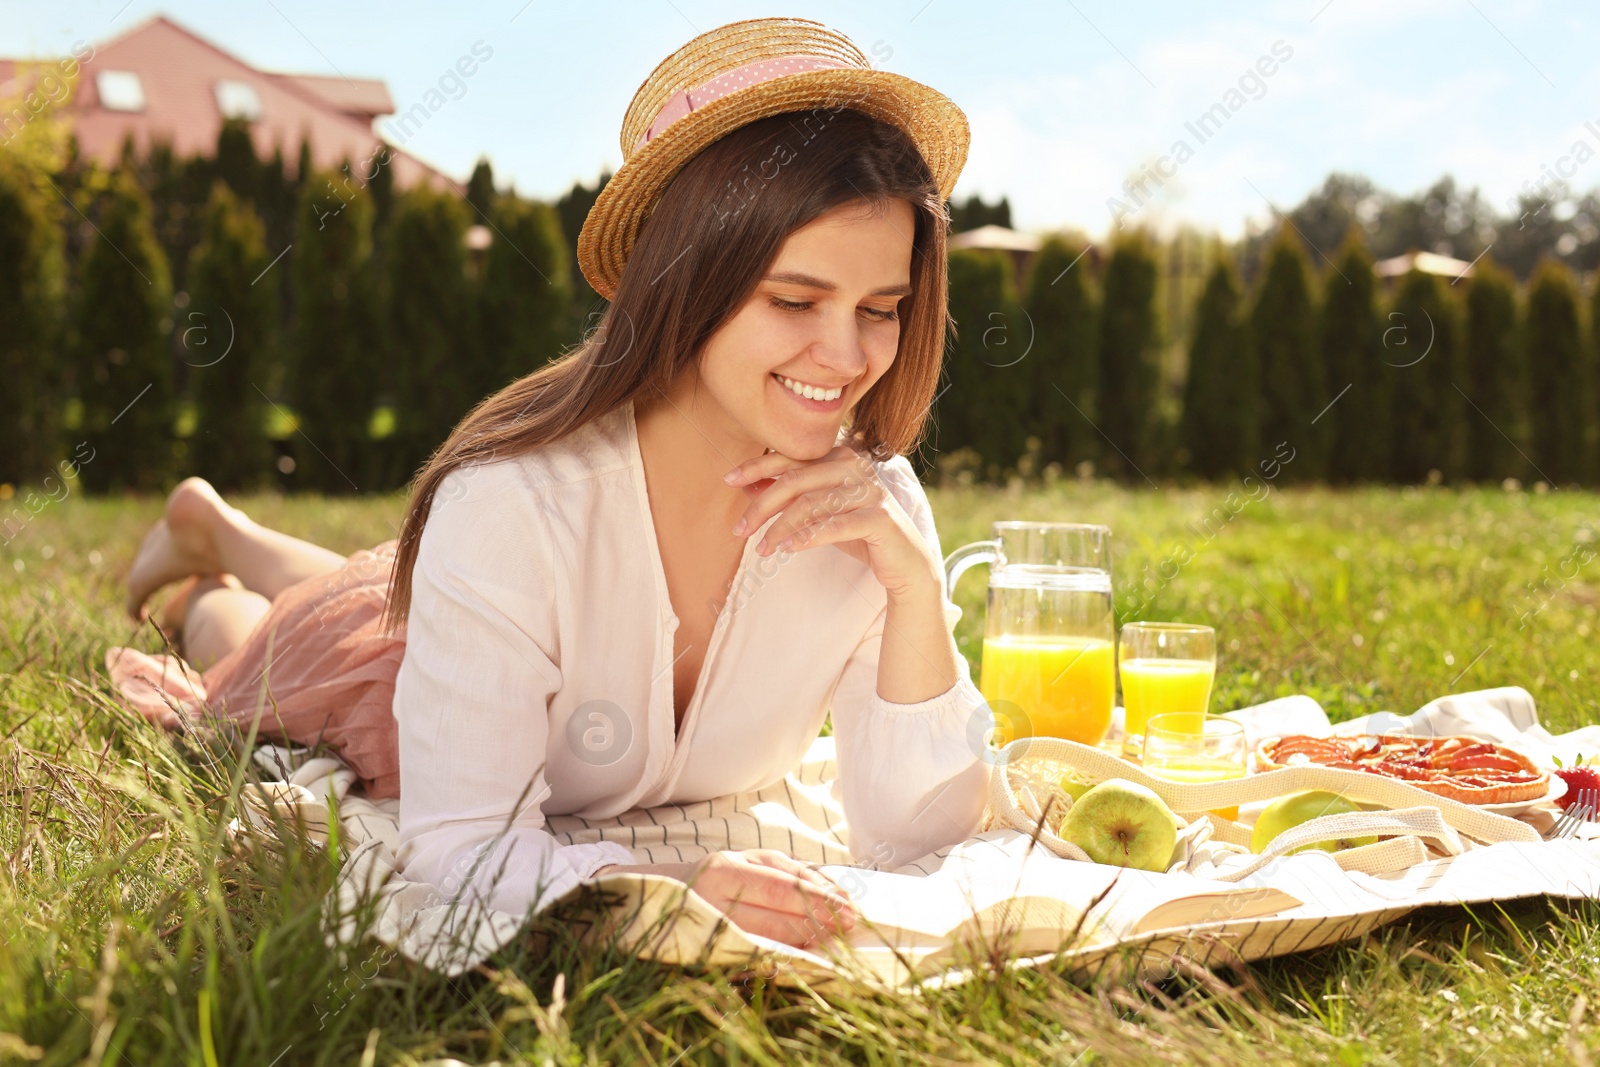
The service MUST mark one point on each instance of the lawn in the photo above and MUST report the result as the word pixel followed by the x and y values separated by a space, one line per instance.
pixel 131 931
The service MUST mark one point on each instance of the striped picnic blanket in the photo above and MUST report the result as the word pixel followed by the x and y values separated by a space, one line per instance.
pixel 802 815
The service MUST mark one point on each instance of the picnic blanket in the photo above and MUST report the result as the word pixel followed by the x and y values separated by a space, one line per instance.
pixel 1318 902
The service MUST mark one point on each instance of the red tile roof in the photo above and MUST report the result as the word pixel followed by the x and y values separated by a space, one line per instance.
pixel 178 72
pixel 362 98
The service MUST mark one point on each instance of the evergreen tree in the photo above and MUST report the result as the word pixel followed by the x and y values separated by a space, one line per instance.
pixel 975 213
pixel 1593 350
pixel 1128 373
pixel 335 360
pixel 1562 375
pixel 1421 347
pixel 304 171
pixel 430 316
pixel 234 313
pixel 177 189
pixel 1495 377
pixel 988 385
pixel 1349 343
pixel 1294 389
pixel 1221 421
pixel 480 190
pixel 1062 307
pixel 381 186
pixel 31 290
pixel 525 295
pixel 122 363
pixel 573 208
pixel 235 161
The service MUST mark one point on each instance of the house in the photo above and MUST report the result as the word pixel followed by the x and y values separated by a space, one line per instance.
pixel 160 82
pixel 1021 246
pixel 1427 262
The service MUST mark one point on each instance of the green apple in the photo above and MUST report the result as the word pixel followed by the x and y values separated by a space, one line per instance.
pixel 1123 824
pixel 1295 808
pixel 1075 785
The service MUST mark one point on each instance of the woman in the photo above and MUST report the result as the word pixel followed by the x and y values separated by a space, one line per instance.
pixel 649 571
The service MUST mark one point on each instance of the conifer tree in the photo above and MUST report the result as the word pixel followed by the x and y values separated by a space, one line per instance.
pixel 1593 352
pixel 228 336
pixel 304 170
pixel 1294 389
pixel 988 374
pixel 1563 377
pixel 526 293
pixel 337 357
pixel 1128 374
pixel 122 365
pixel 381 187
pixel 430 317
pixel 1221 420
pixel 235 161
pixel 573 207
pixel 1349 340
pixel 31 293
pixel 1062 305
pixel 480 190
pixel 1495 377
pixel 1421 350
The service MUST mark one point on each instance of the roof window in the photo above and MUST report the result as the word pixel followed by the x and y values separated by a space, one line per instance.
pixel 120 90
pixel 238 100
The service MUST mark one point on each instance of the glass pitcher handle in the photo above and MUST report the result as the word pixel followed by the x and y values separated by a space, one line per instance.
pixel 957 562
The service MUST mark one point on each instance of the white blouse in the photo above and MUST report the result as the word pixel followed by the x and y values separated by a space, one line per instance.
pixel 537 679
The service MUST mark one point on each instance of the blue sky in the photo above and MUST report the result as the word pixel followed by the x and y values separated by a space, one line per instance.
pixel 1066 99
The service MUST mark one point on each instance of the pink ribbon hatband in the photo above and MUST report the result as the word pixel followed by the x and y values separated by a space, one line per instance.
pixel 684 101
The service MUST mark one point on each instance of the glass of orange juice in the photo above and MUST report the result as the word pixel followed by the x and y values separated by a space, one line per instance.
pixel 1176 752
pixel 1167 669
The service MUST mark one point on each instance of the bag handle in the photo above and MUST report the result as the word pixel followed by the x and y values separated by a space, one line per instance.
pixel 1407 828
pixel 1465 819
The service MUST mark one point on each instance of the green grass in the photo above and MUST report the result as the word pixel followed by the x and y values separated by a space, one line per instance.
pixel 132 931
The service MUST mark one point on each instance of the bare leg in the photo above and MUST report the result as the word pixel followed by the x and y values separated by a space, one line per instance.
pixel 218 619
pixel 203 534
pixel 176 608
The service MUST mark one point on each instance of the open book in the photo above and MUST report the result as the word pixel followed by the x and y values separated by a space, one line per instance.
pixel 992 897
pixel 924 921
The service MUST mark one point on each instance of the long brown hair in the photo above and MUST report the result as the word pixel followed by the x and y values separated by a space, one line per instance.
pixel 710 239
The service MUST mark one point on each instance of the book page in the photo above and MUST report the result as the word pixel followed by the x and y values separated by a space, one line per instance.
pixel 1041 898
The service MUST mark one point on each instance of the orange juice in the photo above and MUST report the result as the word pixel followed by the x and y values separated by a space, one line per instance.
pixel 1064 685
pixel 1197 768
pixel 1165 687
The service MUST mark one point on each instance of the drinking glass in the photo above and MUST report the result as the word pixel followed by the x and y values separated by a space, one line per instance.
pixel 1174 751
pixel 1049 668
pixel 1167 669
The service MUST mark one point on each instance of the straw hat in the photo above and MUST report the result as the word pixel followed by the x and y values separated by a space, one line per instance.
pixel 731 76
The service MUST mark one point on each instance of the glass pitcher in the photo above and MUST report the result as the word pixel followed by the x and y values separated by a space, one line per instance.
pixel 1049 668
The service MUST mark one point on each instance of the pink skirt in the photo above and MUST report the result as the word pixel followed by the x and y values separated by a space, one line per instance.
pixel 316 667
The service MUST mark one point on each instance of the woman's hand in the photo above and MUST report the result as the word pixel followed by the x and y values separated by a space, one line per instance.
pixel 836 500
pixel 765 892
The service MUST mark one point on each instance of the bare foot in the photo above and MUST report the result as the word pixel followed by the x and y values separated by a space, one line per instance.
pixel 178 545
pixel 158 687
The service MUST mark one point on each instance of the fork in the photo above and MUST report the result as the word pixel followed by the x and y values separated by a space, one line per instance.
pixel 1577 813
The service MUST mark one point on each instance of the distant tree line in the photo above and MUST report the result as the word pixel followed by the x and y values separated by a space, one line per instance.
pixel 1548 220
pixel 1418 378
pixel 225 316
pixel 261 324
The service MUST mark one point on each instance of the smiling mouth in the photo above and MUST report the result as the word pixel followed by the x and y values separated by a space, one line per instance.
pixel 813 393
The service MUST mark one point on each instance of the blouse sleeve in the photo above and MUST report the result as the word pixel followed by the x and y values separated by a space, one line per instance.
pixel 472 696
pixel 913 776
